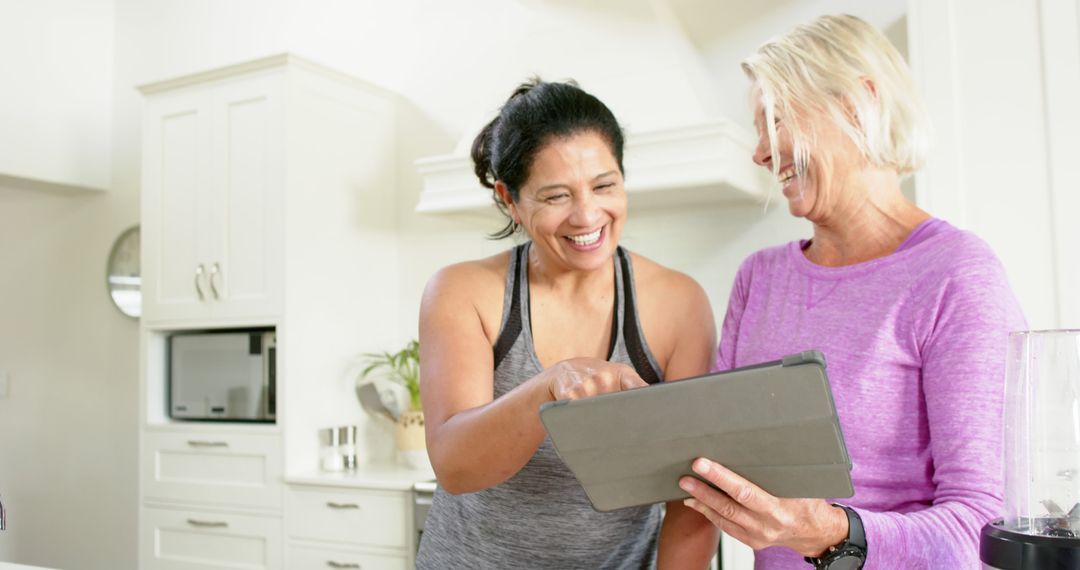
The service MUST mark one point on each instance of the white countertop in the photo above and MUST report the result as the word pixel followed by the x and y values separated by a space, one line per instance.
pixel 380 477
pixel 13 566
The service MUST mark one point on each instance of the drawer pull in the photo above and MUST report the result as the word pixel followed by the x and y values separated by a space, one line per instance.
pixel 334 505
pixel 333 564
pixel 202 443
pixel 208 524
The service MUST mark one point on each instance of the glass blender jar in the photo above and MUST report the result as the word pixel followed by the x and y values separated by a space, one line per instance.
pixel 1041 523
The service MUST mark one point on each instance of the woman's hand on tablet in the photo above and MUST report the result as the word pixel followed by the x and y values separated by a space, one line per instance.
pixel 583 377
pixel 760 520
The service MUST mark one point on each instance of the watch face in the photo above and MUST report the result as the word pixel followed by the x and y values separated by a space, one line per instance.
pixel 846 563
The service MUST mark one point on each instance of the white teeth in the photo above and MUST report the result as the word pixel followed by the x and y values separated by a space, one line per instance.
pixel 786 174
pixel 586 239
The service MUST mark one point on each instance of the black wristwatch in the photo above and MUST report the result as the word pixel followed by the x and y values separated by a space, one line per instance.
pixel 849 554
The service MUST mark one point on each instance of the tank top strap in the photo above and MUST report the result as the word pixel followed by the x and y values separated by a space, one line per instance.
pixel 617 313
pixel 630 332
pixel 511 326
pixel 627 339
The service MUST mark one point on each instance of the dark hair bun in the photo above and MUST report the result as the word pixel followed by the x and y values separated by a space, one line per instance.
pixel 535 113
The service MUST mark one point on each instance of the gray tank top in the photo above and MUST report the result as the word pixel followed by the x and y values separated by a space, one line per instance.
pixel 540 518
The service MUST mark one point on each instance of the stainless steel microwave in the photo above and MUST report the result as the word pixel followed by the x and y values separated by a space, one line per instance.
pixel 223 375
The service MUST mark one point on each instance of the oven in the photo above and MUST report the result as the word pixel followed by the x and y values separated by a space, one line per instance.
pixel 423 492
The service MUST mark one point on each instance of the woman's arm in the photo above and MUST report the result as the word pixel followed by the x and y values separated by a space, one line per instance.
pixel 474 440
pixel 687 539
pixel 967 322
pixel 729 335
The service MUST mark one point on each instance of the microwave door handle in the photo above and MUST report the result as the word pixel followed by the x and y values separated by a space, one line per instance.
pixel 269 376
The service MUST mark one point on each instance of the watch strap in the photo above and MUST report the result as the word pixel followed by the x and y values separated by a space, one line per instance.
pixel 853 547
pixel 856 533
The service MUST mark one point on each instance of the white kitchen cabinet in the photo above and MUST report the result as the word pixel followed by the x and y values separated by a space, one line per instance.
pixel 186 539
pixel 357 517
pixel 337 527
pixel 268 201
pixel 212 200
pixel 329 558
pixel 235 160
pixel 232 469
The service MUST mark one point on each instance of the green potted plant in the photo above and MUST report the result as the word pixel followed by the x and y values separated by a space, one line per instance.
pixel 403 367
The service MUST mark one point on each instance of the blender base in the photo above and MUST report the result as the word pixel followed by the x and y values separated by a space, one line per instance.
pixel 1004 549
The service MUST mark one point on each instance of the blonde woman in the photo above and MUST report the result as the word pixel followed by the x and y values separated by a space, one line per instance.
pixel 911 313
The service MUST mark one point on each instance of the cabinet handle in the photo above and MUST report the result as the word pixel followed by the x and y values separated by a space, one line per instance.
pixel 214 270
pixel 203 443
pixel 333 564
pixel 198 288
pixel 334 505
pixel 208 524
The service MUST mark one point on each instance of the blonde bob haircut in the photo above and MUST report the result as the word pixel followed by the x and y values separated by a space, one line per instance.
pixel 843 68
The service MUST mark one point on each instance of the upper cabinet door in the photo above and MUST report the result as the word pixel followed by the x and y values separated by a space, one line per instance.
pixel 174 208
pixel 212 202
pixel 247 167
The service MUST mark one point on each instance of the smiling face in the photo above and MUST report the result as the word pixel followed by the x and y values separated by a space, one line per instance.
pixel 814 189
pixel 573 204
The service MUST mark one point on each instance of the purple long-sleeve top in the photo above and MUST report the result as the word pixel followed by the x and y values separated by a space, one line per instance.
pixel 915 345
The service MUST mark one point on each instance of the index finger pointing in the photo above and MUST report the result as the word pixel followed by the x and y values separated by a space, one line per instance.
pixel 628 379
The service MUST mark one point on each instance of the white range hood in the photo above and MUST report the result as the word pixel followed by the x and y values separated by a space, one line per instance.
pixel 679 149
pixel 706 163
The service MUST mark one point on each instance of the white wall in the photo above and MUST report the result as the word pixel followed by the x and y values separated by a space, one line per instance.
pixel 729 32
pixel 67 427
pixel 1060 37
pixel 1004 165
pixel 55 118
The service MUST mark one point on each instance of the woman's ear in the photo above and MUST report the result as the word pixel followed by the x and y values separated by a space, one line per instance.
pixel 508 200
pixel 849 108
pixel 869 85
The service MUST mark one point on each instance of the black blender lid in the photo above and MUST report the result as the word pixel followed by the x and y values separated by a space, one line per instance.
pixel 1010 550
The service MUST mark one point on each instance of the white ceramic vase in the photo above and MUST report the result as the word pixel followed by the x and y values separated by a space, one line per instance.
pixel 409 438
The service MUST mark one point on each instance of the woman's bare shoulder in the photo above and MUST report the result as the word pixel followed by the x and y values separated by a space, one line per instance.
pixel 466 292
pixel 653 279
pixel 483 273
pixel 676 317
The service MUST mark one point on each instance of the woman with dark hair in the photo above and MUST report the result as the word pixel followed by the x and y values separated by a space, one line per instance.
pixel 567 314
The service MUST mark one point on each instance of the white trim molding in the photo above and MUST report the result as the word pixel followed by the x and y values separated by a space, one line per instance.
pixel 1060 33
pixel 999 80
pixel 706 163
pixel 932 53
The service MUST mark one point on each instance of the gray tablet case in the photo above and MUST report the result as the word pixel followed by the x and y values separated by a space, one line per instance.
pixel 773 423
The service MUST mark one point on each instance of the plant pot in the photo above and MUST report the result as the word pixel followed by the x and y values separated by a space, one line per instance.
pixel 409 438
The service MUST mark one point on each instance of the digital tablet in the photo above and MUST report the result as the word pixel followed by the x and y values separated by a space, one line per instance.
pixel 773 423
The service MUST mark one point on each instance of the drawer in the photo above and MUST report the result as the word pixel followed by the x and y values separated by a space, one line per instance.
pixel 212 469
pixel 177 539
pixel 312 558
pixel 357 517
